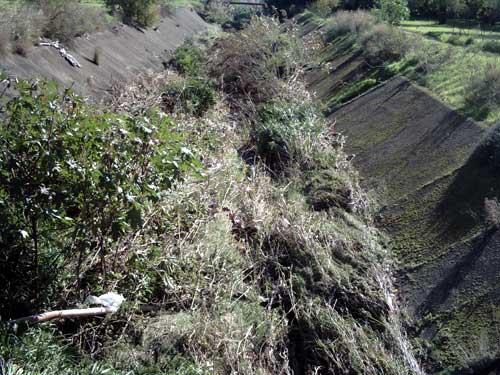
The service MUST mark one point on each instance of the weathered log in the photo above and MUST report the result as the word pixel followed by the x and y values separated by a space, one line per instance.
pixel 110 303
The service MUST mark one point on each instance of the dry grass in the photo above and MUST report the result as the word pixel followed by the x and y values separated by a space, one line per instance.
pixel 245 275
pixel 344 22
pixel 383 43
pixel 250 65
pixel 70 19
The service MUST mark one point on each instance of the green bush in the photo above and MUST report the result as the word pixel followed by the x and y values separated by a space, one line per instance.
pixel 492 46
pixel 468 41
pixel 58 20
pixel 241 16
pixel 323 8
pixel 458 40
pixel 393 11
pixel 193 96
pixel 188 59
pixel 284 132
pixel 73 182
pixel 21 27
pixel 216 11
pixel 143 12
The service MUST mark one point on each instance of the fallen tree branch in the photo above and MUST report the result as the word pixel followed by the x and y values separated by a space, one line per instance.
pixel 74 62
pixel 64 314
pixel 110 302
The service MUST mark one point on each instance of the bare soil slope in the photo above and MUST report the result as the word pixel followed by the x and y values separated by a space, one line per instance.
pixel 126 52
pixel 420 156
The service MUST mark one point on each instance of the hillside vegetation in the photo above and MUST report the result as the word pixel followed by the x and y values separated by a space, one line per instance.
pixel 217 200
pixel 462 73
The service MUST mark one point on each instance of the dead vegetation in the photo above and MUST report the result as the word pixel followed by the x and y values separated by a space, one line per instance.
pixel 250 66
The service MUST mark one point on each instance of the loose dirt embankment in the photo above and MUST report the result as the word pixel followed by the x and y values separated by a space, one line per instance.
pixel 419 155
pixel 125 53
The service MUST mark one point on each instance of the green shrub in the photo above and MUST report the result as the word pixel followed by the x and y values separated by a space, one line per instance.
pixel 23 25
pixel 468 41
pixel 21 47
pixel 492 46
pixel 192 96
pixel 323 8
pixel 454 40
pixel 188 59
pixel 458 40
pixel 58 20
pixel 392 11
pixel 229 16
pixel 73 182
pixel 241 16
pixel 434 34
pixel 218 12
pixel 483 90
pixel 284 133
pixel 142 12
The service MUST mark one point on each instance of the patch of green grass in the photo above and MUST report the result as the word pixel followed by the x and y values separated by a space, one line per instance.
pixel 492 46
pixel 465 330
pixel 434 29
pixel 448 66
pixel 189 59
pixel 350 92
pixel 192 96
pixel 450 80
pixel 197 4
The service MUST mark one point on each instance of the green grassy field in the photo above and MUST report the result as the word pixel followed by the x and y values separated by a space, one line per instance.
pixel 464 54
pixel 450 79
pixel 433 28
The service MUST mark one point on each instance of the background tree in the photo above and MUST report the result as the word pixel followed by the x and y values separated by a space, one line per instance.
pixel 489 11
pixel 393 11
